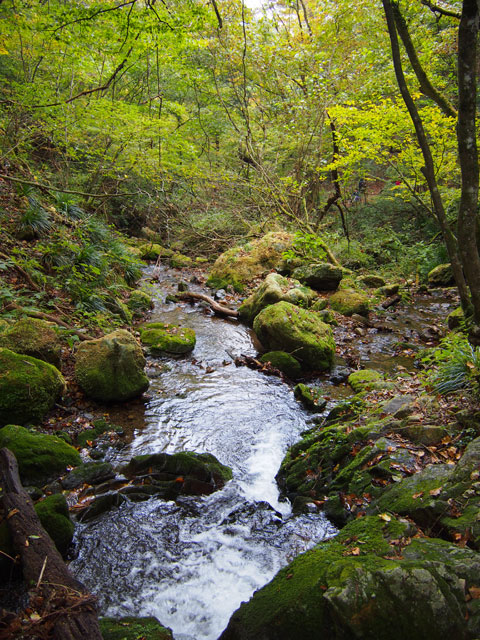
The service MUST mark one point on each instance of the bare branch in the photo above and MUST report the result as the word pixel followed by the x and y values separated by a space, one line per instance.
pixel 217 13
pixel 95 14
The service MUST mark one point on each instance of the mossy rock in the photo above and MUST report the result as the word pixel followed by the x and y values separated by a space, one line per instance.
pixel 55 519
pixel 328 317
pixel 153 251
pixel 89 473
pixel 354 585
pixel 388 290
pixel 196 473
pixel 139 303
pixel 445 498
pixel 320 304
pixel 163 338
pixel 455 319
pixel 348 301
pixel 366 380
pixel 100 427
pixel 275 288
pixel 40 456
pixel 286 327
pixel 310 397
pixel 322 276
pixel 179 261
pixel 111 369
pixel 28 388
pixel 284 362
pixel 33 337
pixel 441 276
pixel 119 308
pixel 372 281
pixel 239 265
pixel 131 628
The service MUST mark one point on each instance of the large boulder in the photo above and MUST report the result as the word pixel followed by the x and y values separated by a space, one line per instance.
pixel 40 456
pixel 372 581
pixel 286 327
pixel 161 338
pixel 28 388
pixel 111 369
pixel 322 276
pixel 348 301
pixel 275 288
pixel 441 276
pixel 239 265
pixel 33 337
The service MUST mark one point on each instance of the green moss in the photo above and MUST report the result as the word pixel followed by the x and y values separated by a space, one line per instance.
pixel 347 302
pixel 28 387
pixel 55 519
pixel 310 397
pixel 354 585
pixel 133 629
pixel 275 288
pixel 167 338
pixel 139 303
pixel 154 251
pixel 39 456
pixel 239 265
pixel 179 261
pixel 441 276
pixel 286 327
pixel 111 368
pixel 365 380
pixel 33 337
pixel 201 466
pixel 372 281
pixel 284 362
pixel 99 427
pixel 455 318
pixel 321 276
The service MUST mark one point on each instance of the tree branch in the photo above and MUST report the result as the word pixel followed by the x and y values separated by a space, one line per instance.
pixel 94 15
pixel 426 86
pixel 444 12
pixel 77 193
pixel 217 13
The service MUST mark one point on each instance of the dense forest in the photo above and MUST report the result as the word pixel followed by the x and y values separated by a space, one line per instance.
pixel 306 170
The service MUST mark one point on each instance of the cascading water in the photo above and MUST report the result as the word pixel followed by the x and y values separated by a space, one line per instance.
pixel 192 562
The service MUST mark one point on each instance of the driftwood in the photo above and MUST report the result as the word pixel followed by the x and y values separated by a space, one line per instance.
pixel 215 306
pixel 63 605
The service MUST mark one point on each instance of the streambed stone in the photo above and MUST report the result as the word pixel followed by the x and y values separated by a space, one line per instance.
pixel 286 327
pixel 275 288
pixel 161 338
pixel 28 388
pixel 111 369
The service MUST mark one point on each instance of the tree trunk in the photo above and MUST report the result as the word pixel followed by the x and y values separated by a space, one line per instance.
pixel 65 608
pixel 429 169
pixel 467 150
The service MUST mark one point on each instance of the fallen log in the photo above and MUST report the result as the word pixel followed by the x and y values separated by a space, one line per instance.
pixel 64 609
pixel 49 318
pixel 215 306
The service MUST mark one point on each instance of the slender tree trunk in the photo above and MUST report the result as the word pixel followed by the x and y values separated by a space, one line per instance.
pixel 467 150
pixel 429 169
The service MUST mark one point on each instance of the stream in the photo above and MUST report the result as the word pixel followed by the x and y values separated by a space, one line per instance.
pixel 190 563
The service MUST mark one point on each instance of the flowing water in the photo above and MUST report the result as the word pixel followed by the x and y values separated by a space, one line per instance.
pixel 192 562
